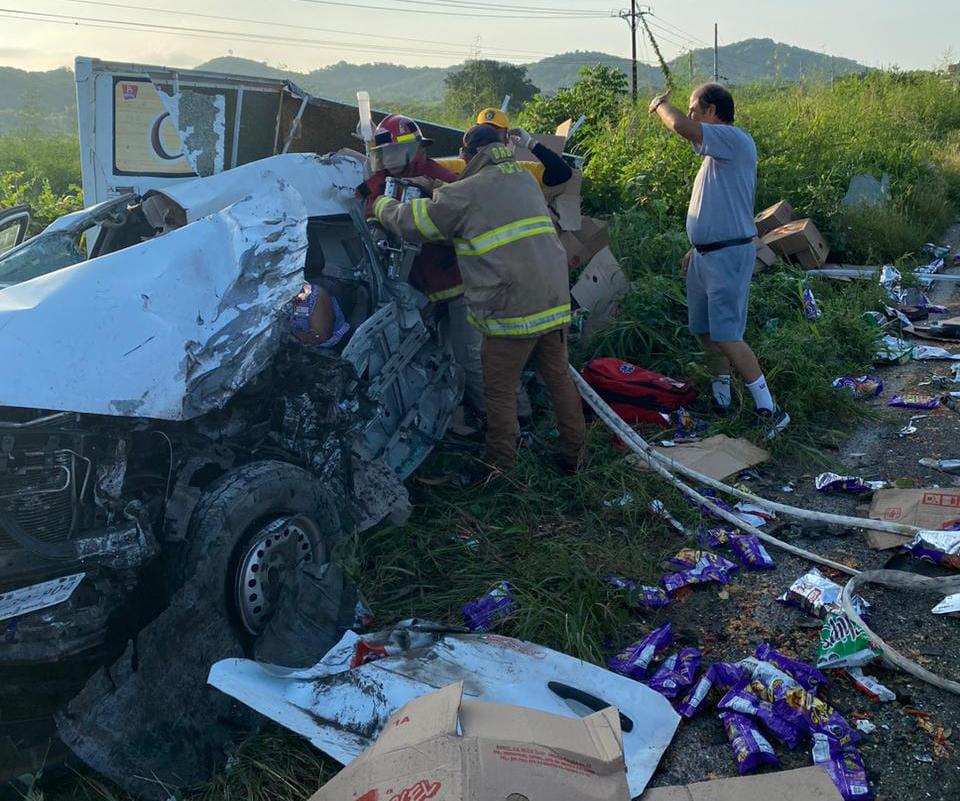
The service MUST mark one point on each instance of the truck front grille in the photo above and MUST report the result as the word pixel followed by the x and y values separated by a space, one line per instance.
pixel 38 500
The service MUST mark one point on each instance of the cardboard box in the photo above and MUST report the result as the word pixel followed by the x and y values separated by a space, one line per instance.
pixel 799 240
pixel 442 748
pixel 718 456
pixel 564 202
pixel 599 290
pixel 804 784
pixel 592 237
pixel 778 214
pixel 925 508
pixel 765 256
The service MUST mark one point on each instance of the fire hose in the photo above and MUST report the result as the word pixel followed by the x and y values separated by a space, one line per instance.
pixel 666 467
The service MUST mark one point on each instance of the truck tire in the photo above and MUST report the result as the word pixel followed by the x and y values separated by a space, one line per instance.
pixel 247 505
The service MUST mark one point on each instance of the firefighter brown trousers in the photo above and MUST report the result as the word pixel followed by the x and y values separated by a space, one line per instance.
pixel 503 359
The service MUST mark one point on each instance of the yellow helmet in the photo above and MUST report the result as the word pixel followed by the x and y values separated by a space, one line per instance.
pixel 493 116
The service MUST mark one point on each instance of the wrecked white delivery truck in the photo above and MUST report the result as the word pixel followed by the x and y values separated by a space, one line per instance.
pixel 174 464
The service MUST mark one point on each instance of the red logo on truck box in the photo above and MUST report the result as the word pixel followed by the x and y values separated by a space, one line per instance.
pixel 128 91
pixel 421 791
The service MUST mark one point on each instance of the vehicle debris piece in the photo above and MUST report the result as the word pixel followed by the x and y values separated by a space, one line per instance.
pixel 869 686
pixel 844 644
pixel 863 386
pixel 816 595
pixel 444 745
pixel 676 673
pixel 341 711
pixel 940 547
pixel 750 748
pixel 490 608
pixel 949 606
pixel 844 766
pixel 634 660
pixel 832 482
pixel 944 465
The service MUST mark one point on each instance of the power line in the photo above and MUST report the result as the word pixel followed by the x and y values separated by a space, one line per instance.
pixel 520 15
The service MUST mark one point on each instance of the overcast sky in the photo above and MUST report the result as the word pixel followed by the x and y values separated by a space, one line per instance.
pixel 878 33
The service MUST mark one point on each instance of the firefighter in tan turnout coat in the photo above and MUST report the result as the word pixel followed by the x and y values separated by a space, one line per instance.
pixel 515 280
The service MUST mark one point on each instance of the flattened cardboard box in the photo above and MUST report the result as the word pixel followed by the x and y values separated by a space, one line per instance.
pixel 778 214
pixel 441 748
pixel 804 784
pixel 926 508
pixel 718 456
pixel 599 290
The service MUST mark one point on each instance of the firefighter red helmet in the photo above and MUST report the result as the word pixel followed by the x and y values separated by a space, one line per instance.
pixel 396 143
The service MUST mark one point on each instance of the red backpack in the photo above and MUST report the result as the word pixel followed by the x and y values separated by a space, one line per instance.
pixel 637 395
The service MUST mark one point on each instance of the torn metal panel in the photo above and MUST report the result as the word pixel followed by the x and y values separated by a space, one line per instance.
pixel 173 327
pixel 327 184
pixel 341 711
pixel 201 120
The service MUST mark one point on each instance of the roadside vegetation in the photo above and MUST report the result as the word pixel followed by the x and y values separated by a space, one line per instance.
pixel 554 537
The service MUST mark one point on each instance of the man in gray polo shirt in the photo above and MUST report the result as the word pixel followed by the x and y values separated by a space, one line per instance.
pixel 720 227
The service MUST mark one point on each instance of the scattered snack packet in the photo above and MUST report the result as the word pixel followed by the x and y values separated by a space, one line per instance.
pixel 495 605
pixel 750 747
pixel 687 426
pixel 676 673
pixel 869 686
pixel 832 482
pixel 893 350
pixel 721 675
pixel 774 681
pixel 817 714
pixel 652 597
pixel 703 572
pixel 815 594
pixel 861 386
pixel 741 699
pixel 843 644
pixel 844 766
pixel 634 660
pixel 914 401
pixel 621 583
pixel 811 309
pixel 690 557
pixel 751 553
pixel 714 536
pixel 807 677
pixel 939 547
pixel 717 501
pixel 949 606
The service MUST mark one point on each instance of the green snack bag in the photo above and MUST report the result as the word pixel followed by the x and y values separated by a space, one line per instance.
pixel 844 644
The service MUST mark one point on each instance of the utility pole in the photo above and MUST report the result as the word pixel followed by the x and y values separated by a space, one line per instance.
pixel 716 55
pixel 632 18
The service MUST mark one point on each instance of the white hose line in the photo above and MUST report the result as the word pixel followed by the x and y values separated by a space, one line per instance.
pixel 782 508
pixel 901 580
pixel 632 440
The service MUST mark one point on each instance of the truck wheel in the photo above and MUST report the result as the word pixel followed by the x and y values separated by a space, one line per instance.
pixel 258 521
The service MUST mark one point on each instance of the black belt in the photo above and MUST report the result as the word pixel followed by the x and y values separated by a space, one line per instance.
pixel 726 243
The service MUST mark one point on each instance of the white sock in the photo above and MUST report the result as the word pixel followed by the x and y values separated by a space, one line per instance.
pixel 761 394
pixel 720 386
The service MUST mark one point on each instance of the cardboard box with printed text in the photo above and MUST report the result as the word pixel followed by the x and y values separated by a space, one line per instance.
pixel 799 241
pixel 440 747
pixel 778 214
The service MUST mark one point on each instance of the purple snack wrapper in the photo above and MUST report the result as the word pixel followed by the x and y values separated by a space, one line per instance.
pixel 691 557
pixel 750 747
pixel 621 583
pixel 818 715
pixel 653 597
pixel 861 386
pixel 714 536
pixel 939 547
pixel 911 401
pixel 751 553
pixel 740 699
pixel 806 676
pixel 495 605
pixel 811 309
pixel 676 673
pixel 718 501
pixel 844 766
pixel 720 675
pixel 703 573
pixel 832 482
pixel 634 660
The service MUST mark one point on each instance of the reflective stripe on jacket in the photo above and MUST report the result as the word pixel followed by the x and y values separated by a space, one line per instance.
pixel 513 266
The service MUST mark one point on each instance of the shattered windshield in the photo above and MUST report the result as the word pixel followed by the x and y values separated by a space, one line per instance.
pixel 41 255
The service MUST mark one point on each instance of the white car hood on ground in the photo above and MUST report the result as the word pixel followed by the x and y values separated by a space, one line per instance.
pixel 170 328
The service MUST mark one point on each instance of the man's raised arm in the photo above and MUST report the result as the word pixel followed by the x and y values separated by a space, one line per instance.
pixel 676 120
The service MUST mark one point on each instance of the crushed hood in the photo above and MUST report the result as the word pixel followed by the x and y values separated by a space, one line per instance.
pixel 170 328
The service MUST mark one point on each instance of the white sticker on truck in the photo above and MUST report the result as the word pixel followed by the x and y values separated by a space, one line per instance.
pixel 38 596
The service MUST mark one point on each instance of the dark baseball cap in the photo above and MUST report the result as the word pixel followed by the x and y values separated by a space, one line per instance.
pixel 479 136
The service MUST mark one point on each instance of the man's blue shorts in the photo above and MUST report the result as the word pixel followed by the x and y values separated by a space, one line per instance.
pixel 718 289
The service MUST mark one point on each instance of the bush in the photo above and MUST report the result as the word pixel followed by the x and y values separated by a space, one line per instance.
pixel 42 172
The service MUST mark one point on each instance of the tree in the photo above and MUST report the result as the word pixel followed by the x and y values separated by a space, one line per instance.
pixel 598 94
pixel 482 83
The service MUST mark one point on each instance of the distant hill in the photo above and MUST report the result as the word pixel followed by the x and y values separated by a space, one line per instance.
pixel 50 96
